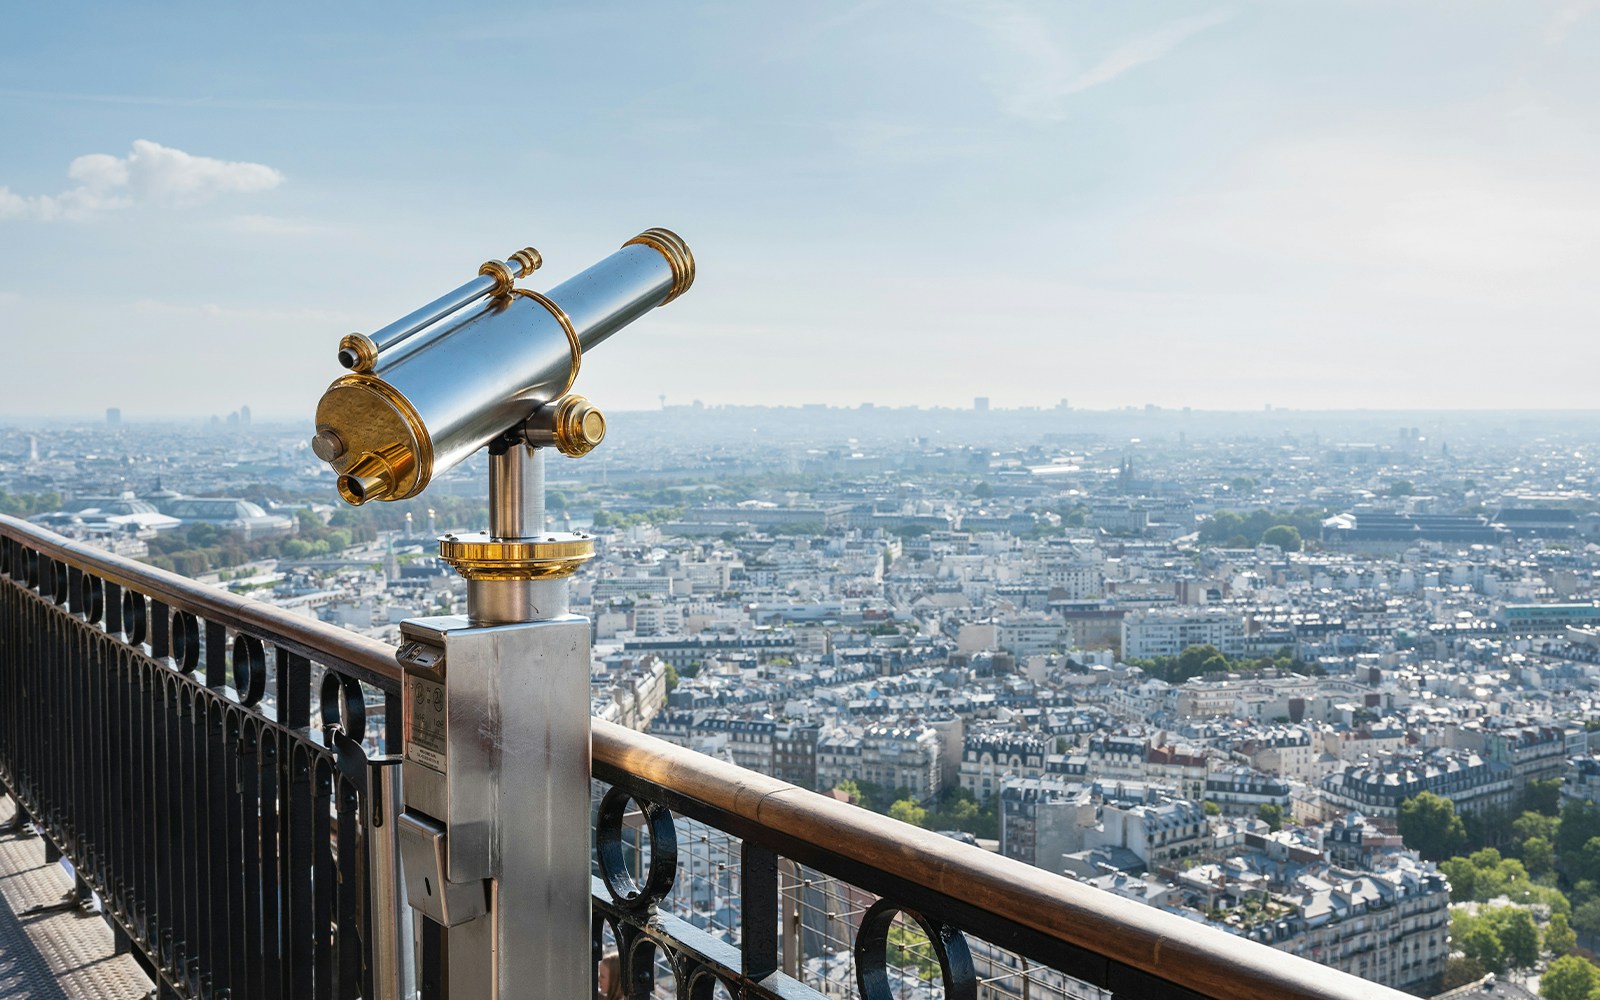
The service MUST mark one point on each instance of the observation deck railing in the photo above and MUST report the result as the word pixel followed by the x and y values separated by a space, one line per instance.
pixel 218 772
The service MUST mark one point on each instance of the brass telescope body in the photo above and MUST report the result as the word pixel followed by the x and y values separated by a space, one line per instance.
pixel 434 387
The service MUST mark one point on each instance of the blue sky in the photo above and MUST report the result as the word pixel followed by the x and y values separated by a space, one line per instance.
pixel 1317 205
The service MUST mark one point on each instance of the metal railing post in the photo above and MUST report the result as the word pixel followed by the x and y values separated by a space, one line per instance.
pixel 389 915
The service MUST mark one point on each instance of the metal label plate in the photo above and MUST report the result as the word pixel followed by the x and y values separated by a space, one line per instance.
pixel 425 732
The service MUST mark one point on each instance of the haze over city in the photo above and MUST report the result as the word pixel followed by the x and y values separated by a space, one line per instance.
pixel 1218 206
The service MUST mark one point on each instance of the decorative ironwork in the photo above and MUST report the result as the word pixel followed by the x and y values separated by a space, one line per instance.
pixel 182 771
pixel 1025 923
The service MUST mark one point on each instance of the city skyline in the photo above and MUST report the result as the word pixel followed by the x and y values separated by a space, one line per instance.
pixel 1211 206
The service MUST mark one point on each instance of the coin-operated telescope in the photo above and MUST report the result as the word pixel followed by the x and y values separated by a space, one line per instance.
pixel 494 833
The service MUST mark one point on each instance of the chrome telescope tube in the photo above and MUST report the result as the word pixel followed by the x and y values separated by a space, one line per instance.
pixel 452 384
pixel 360 351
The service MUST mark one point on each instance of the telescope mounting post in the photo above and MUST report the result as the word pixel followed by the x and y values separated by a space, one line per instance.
pixel 495 833
pixel 493 836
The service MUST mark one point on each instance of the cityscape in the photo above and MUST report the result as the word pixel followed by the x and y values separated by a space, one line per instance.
pixel 1321 680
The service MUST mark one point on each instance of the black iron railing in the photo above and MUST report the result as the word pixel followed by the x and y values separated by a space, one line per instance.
pixel 202 760
pixel 206 763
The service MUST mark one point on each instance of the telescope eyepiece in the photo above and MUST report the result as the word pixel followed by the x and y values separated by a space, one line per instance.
pixel 357 490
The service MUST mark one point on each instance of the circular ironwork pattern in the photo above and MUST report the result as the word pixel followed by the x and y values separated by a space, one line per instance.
pixel 185 641
pixel 700 981
pixel 91 598
pixel 624 888
pixel 56 581
pixel 134 617
pixel 30 568
pixel 343 705
pixel 949 947
pixel 249 669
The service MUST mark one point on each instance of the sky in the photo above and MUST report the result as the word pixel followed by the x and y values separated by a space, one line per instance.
pixel 1322 205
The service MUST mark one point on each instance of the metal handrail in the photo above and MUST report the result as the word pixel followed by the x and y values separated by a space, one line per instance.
pixel 360 656
pixel 1036 909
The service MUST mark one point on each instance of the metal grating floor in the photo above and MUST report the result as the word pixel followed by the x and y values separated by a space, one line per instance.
pixel 53 955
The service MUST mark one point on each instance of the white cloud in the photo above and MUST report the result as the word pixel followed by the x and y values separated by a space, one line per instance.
pixel 150 174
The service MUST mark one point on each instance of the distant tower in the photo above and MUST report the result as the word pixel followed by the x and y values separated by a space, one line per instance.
pixel 391 565
pixel 431 529
pixel 33 449
pixel 981 404
pixel 408 525
pixel 663 401
pixel 244 416
pixel 113 417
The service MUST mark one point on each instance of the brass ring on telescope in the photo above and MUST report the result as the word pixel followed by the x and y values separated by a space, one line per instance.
pixel 478 556
pixel 362 350
pixel 501 274
pixel 671 246
pixel 528 260
pixel 566 326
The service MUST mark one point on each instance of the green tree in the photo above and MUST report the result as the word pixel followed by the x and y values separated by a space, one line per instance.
pixel 1584 865
pixel 672 678
pixel 1284 536
pixel 1586 917
pixel 1542 796
pixel 1192 661
pixel 1569 978
pixel 1241 484
pixel 1539 855
pixel 851 790
pixel 1558 935
pixel 1211 808
pixel 1518 934
pixel 1401 488
pixel 1580 820
pixel 1463 879
pixel 1429 825
pixel 1532 824
pixel 202 534
pixel 907 811
pixel 1479 941
pixel 1271 814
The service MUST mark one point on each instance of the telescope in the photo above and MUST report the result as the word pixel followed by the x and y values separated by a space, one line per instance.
pixel 493 834
pixel 431 388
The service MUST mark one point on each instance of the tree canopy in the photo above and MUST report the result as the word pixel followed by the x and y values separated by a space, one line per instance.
pixel 1429 825
pixel 1284 536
